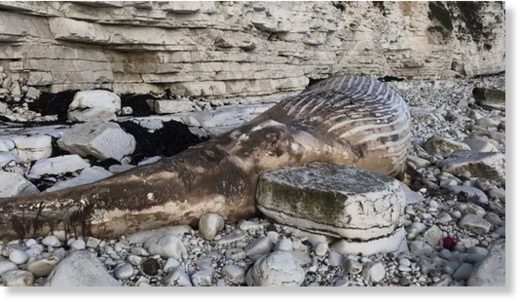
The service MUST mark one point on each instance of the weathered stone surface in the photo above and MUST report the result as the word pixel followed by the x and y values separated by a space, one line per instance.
pixel 210 224
pixel 80 269
pixel 172 106
pixel 30 148
pixel 492 270
pixel 88 175
pixel 277 269
pixel 103 140
pixel 133 45
pixel 42 267
pixel 485 165
pixel 475 224
pixel 17 278
pixel 480 144
pixel 167 246
pixel 13 184
pixel 441 145
pixel 331 199
pixel 490 98
pixel 58 165
pixel 94 105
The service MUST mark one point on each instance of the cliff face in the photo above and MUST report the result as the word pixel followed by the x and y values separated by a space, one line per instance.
pixel 229 49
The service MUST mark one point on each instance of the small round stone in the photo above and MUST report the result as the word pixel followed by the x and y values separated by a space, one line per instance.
pixel 124 272
pixel 51 240
pixel 18 256
pixel 210 224
pixel 77 244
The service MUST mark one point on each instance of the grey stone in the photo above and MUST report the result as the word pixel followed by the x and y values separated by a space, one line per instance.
pixel 86 176
pixel 102 140
pixel 42 267
pixel 353 267
pixel 374 272
pixel 18 256
pixel 210 224
pixel 491 271
pixel 485 165
pixel 177 277
pixel 171 264
pixel 475 224
pixel 327 199
pixel 442 145
pixel 167 245
pixel 13 185
pixel 80 269
pixel 235 274
pixel 51 240
pixel 490 98
pixel 277 269
pixel 433 235
pixel 94 105
pixel 463 272
pixel 202 277
pixel 480 144
pixel 260 246
pixel 124 272
pixel 17 278
pixel 6 266
pixel 58 165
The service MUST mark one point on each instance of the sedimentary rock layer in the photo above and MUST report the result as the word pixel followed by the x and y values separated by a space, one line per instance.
pixel 227 49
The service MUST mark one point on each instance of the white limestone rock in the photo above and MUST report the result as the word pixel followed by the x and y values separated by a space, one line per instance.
pixel 335 200
pixel 234 273
pixel 177 277
pixel 210 224
pixel 33 147
pixel 58 165
pixel 80 269
pixel 374 272
pixel 13 184
pixel 6 145
pixel 94 105
pixel 437 144
pixel 172 106
pixel 42 267
pixel 395 242
pixel 87 175
pixel 475 224
pixel 17 278
pixel 18 256
pixel 6 266
pixel 492 270
pixel 480 144
pixel 475 164
pixel 103 140
pixel 277 269
pixel 7 158
pixel 167 245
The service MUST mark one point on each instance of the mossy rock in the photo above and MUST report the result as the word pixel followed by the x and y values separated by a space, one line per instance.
pixel 334 200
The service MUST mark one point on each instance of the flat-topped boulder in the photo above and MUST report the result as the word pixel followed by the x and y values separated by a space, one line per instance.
pixel 58 165
pixel 103 140
pixel 13 184
pixel 475 164
pixel 335 200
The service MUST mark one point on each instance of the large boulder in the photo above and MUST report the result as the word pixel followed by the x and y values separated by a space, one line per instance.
pixel 94 105
pixel 490 98
pixel 13 184
pixel 103 140
pixel 492 270
pixel 475 164
pixel 80 269
pixel 58 165
pixel 33 147
pixel 88 175
pixel 334 200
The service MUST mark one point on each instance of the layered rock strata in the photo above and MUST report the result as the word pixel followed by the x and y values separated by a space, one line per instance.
pixel 229 49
